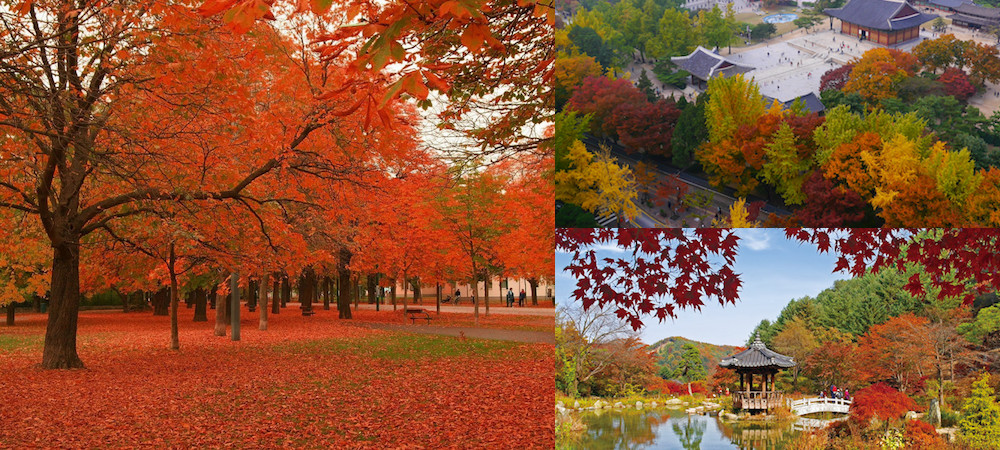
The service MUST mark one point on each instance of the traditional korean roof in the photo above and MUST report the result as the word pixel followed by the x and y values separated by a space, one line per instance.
pixel 887 15
pixel 757 356
pixel 949 4
pixel 970 9
pixel 810 101
pixel 705 64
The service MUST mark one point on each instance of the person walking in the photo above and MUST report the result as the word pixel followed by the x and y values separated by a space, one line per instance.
pixel 458 294
pixel 510 297
pixel 520 298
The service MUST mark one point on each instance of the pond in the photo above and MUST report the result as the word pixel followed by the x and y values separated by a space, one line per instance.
pixel 780 18
pixel 673 429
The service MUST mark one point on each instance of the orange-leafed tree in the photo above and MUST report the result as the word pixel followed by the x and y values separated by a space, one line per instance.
pixel 876 74
pixel 124 125
pixel 894 352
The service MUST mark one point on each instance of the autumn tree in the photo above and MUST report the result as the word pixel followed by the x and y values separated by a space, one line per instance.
pixel 647 127
pixel 570 73
pixel 601 98
pixel 836 78
pixel 876 74
pixel 597 181
pixel 796 340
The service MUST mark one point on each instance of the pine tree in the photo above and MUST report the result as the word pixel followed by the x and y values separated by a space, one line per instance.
pixel 981 422
pixel 646 87
pixel 690 367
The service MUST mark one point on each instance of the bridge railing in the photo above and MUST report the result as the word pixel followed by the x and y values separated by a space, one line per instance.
pixel 819 401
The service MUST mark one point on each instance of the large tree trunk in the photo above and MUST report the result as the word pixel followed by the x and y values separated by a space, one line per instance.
pixel 262 296
pixel 473 291
pixel 307 285
pixel 276 289
pixel 439 298
pixel 200 301
pixel 161 301
pixel 10 314
pixel 60 333
pixel 344 293
pixel 405 286
pixel 417 297
pixel 392 293
pixel 252 290
pixel 234 306
pixel 221 312
pixel 371 284
pixel 36 303
pixel 534 291
pixel 175 343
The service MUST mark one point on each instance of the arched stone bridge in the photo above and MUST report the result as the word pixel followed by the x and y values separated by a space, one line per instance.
pixel 816 405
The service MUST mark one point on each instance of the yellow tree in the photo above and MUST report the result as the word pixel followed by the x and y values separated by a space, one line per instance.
pixel 595 181
pixel 732 103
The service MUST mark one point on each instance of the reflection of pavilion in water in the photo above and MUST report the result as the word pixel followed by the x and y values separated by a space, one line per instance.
pixel 756 435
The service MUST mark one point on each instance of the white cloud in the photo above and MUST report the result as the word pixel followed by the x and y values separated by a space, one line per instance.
pixel 608 248
pixel 755 239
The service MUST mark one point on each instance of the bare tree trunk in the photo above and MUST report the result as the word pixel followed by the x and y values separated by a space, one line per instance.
pixel 234 306
pixel 371 283
pixel 175 343
pixel 307 284
pixel 405 286
pixel 161 301
pixel 10 314
pixel 392 292
pixel 263 302
pixel 326 293
pixel 439 298
pixel 221 307
pixel 344 293
pixel 357 293
pixel 200 302
pixel 286 291
pixel 275 301
pixel 64 304
pixel 486 292
pixel 534 291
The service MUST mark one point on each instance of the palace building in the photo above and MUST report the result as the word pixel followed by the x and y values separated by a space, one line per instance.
pixel 974 16
pixel 886 22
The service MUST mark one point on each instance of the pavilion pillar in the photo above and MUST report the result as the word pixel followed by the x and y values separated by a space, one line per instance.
pixel 741 382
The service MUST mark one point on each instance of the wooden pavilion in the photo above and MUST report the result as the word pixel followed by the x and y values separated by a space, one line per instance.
pixel 763 362
pixel 886 22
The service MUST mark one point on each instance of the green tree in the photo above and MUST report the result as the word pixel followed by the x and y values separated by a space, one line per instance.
pixel 690 368
pixel 690 131
pixel 980 423
pixel 785 169
pixel 715 28
pixel 676 35
pixel 762 31
pixel 569 128
pixel 589 42
pixel 986 322
pixel 646 87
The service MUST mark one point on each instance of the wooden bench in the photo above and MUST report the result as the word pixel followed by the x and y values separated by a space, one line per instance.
pixel 415 313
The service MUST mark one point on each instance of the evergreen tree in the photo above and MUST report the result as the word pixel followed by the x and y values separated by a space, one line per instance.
pixel 691 367
pixel 646 87
pixel 981 422
pixel 690 131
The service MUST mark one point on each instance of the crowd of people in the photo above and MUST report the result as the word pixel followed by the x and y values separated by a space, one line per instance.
pixel 840 394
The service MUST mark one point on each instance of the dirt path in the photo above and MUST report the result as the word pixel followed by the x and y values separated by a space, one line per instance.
pixel 477 333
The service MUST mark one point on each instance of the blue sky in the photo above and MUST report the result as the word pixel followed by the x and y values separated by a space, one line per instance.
pixel 774 270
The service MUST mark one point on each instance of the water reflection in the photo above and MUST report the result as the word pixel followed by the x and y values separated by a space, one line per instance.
pixel 674 429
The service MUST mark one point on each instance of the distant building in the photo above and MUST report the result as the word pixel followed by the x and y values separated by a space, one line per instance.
pixel 704 64
pixel 974 16
pixel 886 22
pixel 948 5
pixel 694 5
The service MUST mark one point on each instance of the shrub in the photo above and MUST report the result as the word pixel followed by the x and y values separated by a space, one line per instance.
pixel 922 435
pixel 880 401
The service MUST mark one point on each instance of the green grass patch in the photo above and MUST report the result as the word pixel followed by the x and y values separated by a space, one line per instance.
pixel 402 347
pixel 12 342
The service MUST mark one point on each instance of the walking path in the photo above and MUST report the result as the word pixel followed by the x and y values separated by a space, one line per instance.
pixel 476 333
pixel 429 304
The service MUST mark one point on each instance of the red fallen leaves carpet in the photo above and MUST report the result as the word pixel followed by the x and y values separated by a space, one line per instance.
pixel 312 382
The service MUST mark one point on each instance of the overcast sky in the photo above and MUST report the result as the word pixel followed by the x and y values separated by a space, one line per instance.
pixel 774 270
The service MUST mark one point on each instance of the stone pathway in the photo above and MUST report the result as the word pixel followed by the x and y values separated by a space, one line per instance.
pixel 475 333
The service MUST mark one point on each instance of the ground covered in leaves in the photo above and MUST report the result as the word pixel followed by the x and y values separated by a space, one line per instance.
pixel 306 382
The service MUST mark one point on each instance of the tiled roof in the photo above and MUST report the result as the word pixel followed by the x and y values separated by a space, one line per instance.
pixel 757 356
pixel 949 3
pixel 705 64
pixel 884 15
pixel 810 101
pixel 978 11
